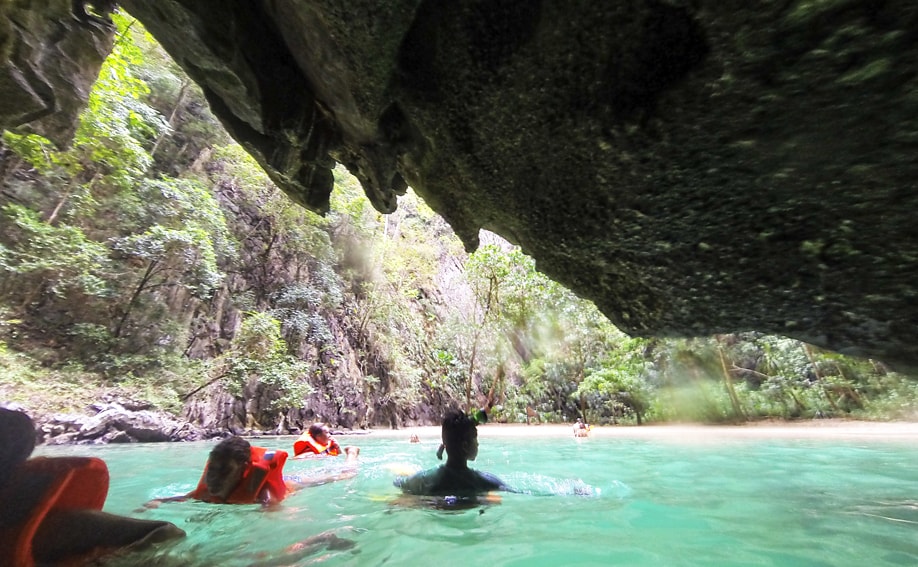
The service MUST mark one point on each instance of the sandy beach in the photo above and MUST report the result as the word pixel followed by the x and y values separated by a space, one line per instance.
pixel 814 429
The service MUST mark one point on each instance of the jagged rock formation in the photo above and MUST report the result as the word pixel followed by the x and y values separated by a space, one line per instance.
pixel 49 59
pixel 693 166
pixel 116 422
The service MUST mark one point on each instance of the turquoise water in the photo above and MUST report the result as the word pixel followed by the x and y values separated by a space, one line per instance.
pixel 588 502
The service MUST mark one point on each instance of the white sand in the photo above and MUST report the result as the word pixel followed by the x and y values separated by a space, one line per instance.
pixel 815 429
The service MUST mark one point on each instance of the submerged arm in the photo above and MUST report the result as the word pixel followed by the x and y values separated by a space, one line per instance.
pixel 295 483
pixel 157 501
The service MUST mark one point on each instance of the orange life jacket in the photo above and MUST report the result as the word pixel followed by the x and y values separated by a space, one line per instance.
pixel 306 444
pixel 73 483
pixel 244 493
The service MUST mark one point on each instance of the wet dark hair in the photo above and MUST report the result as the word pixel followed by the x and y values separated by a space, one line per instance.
pixel 232 449
pixel 17 440
pixel 458 428
pixel 316 428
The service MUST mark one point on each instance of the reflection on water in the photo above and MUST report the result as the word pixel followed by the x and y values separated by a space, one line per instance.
pixel 605 502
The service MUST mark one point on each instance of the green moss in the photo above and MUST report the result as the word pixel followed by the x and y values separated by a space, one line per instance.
pixel 808 10
pixel 812 247
pixel 867 72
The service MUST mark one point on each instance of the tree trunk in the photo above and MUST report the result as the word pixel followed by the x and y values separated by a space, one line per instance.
pixel 492 284
pixel 731 391
pixel 133 301
pixel 812 358
pixel 178 104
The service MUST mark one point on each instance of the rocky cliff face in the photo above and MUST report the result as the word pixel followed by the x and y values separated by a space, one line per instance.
pixel 322 329
pixel 49 59
pixel 692 166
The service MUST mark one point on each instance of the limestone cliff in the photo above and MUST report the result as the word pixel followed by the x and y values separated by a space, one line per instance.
pixel 693 166
pixel 49 59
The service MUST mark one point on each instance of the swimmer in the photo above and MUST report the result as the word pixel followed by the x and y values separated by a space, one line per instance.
pixel 318 441
pixel 455 478
pixel 581 429
pixel 240 473
pixel 51 507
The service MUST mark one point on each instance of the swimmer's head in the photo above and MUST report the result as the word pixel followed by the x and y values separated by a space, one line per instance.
pixel 226 465
pixel 460 436
pixel 320 432
pixel 17 440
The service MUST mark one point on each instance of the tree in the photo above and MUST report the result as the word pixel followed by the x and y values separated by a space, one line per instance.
pixel 619 386
pixel 258 368
pixel 185 233
pixel 76 266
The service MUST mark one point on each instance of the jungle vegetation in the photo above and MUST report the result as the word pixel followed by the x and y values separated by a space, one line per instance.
pixel 153 257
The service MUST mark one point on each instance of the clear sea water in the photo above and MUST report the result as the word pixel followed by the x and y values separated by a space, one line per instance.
pixel 635 502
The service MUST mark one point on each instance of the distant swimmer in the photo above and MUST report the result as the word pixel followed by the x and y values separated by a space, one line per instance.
pixel 455 478
pixel 581 429
pixel 318 441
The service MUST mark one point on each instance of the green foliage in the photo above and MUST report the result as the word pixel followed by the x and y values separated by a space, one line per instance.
pixel 101 241
pixel 184 234
pixel 89 337
pixel 116 122
pixel 519 293
pixel 24 380
pixel 111 248
pixel 297 308
pixel 58 259
pixel 258 361
pixel 36 150
pixel 703 402
pixel 619 387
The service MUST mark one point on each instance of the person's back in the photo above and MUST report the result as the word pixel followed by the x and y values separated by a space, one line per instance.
pixel 455 478
pixel 240 473
pixel 449 481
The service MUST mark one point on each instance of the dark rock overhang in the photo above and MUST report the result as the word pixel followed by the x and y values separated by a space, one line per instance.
pixel 49 59
pixel 691 166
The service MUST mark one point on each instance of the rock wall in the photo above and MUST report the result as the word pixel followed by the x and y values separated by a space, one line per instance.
pixel 341 397
pixel 692 166
pixel 49 59
pixel 340 352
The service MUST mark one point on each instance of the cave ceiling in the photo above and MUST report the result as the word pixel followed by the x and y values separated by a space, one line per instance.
pixel 693 167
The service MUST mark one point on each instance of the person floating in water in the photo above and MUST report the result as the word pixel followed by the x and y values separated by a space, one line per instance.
pixel 318 441
pixel 51 507
pixel 581 429
pixel 455 478
pixel 238 472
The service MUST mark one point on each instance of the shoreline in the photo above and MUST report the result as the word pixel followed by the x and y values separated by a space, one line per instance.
pixel 812 429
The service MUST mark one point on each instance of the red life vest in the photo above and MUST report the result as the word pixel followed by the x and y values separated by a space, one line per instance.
pixel 244 493
pixel 306 444
pixel 73 483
